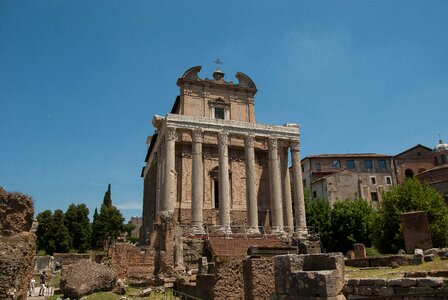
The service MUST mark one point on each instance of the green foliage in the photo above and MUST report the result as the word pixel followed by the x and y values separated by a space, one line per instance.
pixel 407 197
pixel 108 224
pixel 78 224
pixel 348 222
pixel 52 234
pixel 319 219
pixel 351 222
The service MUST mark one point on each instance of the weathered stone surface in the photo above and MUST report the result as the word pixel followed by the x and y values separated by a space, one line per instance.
pixel 17 244
pixel 258 277
pixel 360 250
pixel 429 257
pixel 418 252
pixel 403 282
pixel 316 275
pixel 16 211
pixel 85 278
pixel 430 282
pixel 229 281
pixel 415 231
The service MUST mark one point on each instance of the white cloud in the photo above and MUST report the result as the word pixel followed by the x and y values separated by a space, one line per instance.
pixel 129 205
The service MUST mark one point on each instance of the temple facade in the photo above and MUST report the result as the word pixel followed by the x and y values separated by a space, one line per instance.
pixel 211 167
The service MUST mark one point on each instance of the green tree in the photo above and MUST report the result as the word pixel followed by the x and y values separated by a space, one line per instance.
pixel 318 218
pixel 351 222
pixel 60 240
pixel 410 196
pixel 45 220
pixel 96 237
pixel 109 223
pixel 78 223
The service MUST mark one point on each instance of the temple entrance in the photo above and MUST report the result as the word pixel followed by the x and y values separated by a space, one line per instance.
pixel 216 193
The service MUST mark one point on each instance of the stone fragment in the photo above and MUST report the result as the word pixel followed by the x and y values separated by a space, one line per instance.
pixel 85 278
pixel 146 292
pixel 418 252
pixel 429 257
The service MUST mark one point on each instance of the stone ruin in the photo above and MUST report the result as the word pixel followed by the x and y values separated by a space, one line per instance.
pixel 17 244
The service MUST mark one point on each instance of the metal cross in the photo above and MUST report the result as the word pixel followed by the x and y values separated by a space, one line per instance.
pixel 218 62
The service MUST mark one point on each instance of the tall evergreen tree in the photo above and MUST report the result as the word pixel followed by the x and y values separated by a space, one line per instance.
pixel 96 237
pixel 107 197
pixel 78 224
pixel 108 224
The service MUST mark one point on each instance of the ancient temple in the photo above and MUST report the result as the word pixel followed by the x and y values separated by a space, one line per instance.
pixel 210 166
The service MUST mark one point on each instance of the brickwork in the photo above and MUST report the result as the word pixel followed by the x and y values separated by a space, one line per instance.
pixel 416 233
pixel 415 160
pixel 134 263
pixel 258 278
pixel 17 244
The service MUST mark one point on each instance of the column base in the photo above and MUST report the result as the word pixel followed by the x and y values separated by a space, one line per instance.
pixel 278 230
pixel 197 230
pixel 253 231
pixel 224 230
pixel 301 233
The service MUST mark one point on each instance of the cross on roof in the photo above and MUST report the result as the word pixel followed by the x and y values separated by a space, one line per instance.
pixel 218 62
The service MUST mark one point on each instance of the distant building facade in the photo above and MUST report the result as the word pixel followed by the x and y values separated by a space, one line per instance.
pixel 210 164
pixel 413 161
pixel 335 177
pixel 437 176
pixel 137 221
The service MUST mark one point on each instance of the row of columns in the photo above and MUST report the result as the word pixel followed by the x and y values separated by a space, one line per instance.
pixel 281 211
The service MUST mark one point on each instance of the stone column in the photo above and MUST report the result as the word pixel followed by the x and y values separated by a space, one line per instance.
pixel 251 197
pixel 224 184
pixel 159 178
pixel 286 183
pixel 276 189
pixel 197 183
pixel 169 170
pixel 299 200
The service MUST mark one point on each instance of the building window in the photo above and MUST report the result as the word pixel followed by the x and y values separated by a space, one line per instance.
pixel 442 159
pixel 304 182
pixel 382 164
pixel 336 164
pixel 408 173
pixel 388 180
pixel 314 194
pixel 368 164
pixel 351 164
pixel 318 167
pixel 372 180
pixel 435 161
pixel 216 193
pixel 220 113
pixel 374 196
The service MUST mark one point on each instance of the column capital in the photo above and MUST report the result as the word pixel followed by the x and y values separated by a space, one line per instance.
pixel 170 133
pixel 196 135
pixel 249 140
pixel 273 142
pixel 295 145
pixel 223 137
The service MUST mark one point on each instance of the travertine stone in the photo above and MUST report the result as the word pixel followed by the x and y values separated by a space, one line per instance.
pixel 197 184
pixel 286 184
pixel 224 197
pixel 252 208
pixel 276 196
pixel 169 170
pixel 299 200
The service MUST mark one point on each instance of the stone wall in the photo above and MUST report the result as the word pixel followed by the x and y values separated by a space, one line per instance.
pixel 229 281
pixel 134 263
pixel 258 277
pixel 17 244
pixel 379 261
pixel 377 287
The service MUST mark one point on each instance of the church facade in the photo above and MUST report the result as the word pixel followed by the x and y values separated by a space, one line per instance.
pixel 210 166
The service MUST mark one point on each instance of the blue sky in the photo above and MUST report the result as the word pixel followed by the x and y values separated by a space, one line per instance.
pixel 81 80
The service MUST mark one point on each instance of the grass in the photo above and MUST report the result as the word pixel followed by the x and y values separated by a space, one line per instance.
pixel 436 265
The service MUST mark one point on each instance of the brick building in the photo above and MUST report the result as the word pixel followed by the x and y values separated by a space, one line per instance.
pixel 336 177
pixel 412 161
pixel 210 165
pixel 437 176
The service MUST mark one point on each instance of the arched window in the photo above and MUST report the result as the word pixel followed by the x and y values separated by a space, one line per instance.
pixel 442 159
pixel 408 173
